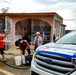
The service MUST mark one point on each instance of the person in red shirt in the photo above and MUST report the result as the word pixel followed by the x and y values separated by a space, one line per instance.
pixel 2 46
pixel 24 45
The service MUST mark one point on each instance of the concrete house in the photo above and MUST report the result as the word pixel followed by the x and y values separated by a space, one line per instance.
pixel 27 24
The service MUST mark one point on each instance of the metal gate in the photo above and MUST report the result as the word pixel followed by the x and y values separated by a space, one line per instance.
pixel 9 27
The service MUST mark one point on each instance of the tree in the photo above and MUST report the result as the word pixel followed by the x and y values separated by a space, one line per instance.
pixel 4 10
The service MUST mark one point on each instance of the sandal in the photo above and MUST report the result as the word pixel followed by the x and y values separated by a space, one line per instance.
pixel 5 60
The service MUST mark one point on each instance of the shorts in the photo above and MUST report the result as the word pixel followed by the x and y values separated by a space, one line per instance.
pixel 1 50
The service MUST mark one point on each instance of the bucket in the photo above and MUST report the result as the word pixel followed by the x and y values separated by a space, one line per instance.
pixel 23 59
pixel 18 60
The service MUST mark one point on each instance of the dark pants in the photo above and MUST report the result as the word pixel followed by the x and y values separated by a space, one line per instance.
pixel 35 48
pixel 28 50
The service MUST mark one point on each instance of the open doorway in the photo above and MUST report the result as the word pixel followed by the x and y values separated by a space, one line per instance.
pixel 22 28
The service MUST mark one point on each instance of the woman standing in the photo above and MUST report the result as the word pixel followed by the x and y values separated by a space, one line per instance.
pixel 37 40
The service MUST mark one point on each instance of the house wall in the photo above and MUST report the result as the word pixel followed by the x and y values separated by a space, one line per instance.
pixel 13 19
pixel 47 19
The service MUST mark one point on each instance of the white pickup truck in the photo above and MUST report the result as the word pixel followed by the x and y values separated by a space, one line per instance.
pixel 57 58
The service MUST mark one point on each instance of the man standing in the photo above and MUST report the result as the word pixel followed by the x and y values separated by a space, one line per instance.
pixel 37 40
pixel 2 46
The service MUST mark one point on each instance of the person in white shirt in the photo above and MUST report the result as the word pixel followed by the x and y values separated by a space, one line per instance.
pixel 37 40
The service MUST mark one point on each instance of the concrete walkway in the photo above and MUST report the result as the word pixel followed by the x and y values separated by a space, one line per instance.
pixel 16 51
pixel 10 56
pixel 12 51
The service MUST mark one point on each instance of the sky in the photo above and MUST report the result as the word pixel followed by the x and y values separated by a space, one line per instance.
pixel 65 8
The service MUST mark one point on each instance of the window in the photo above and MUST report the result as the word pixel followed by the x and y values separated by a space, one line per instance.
pixel 69 38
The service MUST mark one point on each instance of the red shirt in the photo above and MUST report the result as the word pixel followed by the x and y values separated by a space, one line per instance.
pixel 1 42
